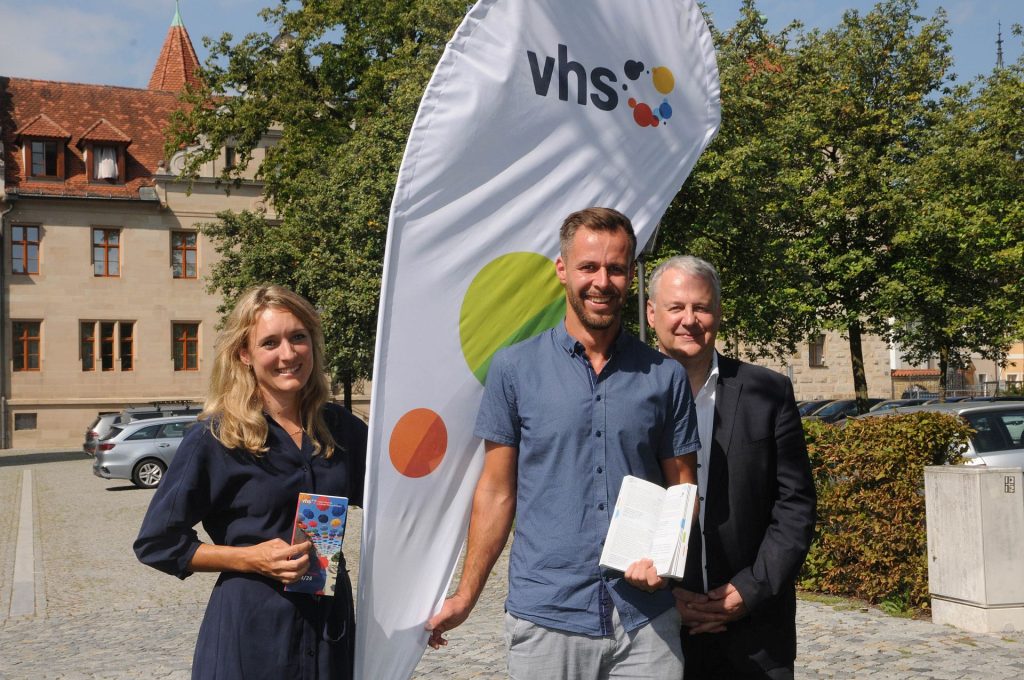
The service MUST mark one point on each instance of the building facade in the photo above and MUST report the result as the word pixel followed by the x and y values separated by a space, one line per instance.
pixel 102 292
pixel 822 368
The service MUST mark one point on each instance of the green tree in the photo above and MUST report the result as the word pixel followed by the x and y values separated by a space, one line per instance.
pixel 867 90
pixel 801 197
pixel 340 81
pixel 733 210
pixel 958 276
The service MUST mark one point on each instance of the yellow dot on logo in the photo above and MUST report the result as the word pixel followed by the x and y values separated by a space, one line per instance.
pixel 664 81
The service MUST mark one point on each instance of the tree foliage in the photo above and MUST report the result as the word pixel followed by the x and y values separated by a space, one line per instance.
pixel 867 93
pixel 958 276
pixel 803 198
pixel 340 80
pixel 734 211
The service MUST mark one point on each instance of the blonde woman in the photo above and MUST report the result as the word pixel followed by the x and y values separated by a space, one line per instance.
pixel 267 433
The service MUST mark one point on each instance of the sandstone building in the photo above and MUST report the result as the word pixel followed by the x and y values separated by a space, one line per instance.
pixel 102 292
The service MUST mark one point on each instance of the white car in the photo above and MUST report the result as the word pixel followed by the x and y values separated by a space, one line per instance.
pixel 999 437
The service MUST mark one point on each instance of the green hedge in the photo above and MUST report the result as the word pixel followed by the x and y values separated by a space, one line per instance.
pixel 869 474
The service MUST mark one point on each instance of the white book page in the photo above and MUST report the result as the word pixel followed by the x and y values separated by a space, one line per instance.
pixel 633 524
pixel 673 530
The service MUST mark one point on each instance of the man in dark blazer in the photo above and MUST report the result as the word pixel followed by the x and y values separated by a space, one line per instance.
pixel 757 499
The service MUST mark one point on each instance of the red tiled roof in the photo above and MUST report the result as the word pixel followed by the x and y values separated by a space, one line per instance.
pixel 42 126
pixel 916 373
pixel 104 131
pixel 177 64
pixel 138 115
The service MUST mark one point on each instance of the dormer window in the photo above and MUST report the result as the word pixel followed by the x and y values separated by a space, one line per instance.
pixel 42 143
pixel 104 149
pixel 104 162
pixel 45 158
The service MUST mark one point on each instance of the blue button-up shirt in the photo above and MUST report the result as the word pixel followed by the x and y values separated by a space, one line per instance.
pixel 578 434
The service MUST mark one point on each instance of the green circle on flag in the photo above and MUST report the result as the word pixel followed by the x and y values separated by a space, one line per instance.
pixel 512 298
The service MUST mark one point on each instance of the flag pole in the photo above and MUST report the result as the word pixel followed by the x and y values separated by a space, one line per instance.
pixel 641 285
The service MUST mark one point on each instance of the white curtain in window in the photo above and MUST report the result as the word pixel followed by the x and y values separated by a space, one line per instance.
pixel 106 162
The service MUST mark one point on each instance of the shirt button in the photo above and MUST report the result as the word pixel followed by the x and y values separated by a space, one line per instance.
pixel 600 469
pixel 598 398
pixel 310 652
pixel 600 506
pixel 698 466
pixel 599 433
pixel 702 499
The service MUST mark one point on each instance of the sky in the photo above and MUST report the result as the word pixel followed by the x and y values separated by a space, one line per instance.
pixel 117 42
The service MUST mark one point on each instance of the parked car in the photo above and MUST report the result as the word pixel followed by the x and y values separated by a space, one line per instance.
pixel 896 403
pixel 838 410
pixel 98 429
pixel 998 440
pixel 806 408
pixel 140 451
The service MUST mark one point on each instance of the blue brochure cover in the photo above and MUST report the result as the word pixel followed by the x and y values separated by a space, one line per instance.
pixel 321 519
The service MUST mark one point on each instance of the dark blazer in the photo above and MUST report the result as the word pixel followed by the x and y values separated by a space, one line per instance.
pixel 760 509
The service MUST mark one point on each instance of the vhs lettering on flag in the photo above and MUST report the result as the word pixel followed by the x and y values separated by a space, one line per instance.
pixel 604 81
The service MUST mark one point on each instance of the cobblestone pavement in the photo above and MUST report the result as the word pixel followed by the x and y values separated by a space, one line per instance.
pixel 102 615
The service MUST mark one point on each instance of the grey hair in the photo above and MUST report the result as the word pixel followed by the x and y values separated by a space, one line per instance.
pixel 687 264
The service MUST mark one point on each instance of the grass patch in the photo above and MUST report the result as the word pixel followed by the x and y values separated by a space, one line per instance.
pixel 834 601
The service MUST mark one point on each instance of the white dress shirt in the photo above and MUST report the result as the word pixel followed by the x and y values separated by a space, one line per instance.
pixel 704 404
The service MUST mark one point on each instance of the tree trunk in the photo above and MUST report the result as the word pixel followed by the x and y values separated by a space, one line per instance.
pixel 860 381
pixel 347 382
pixel 943 367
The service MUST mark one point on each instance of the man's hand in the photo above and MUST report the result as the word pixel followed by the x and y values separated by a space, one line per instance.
pixel 494 507
pixel 694 619
pixel 718 607
pixel 642 574
pixel 454 612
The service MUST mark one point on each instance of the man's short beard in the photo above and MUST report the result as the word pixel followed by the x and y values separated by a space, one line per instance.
pixel 589 321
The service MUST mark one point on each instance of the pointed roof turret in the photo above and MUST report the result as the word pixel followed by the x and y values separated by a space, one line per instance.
pixel 177 64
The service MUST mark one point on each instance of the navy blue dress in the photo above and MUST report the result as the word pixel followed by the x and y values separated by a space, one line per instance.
pixel 252 628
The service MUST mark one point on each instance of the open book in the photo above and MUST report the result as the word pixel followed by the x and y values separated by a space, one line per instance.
pixel 321 519
pixel 650 521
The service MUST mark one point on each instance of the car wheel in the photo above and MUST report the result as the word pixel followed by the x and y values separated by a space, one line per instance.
pixel 148 473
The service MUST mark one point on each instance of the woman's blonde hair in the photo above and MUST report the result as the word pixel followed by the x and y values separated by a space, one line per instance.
pixel 234 404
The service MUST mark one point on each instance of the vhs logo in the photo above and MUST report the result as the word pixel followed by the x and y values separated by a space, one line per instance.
pixel 605 95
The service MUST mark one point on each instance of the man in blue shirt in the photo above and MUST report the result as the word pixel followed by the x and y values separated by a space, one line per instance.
pixel 565 416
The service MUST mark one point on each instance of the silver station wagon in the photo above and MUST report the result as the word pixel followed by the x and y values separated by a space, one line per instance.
pixel 141 450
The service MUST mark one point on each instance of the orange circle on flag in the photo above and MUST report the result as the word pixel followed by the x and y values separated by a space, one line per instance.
pixel 418 443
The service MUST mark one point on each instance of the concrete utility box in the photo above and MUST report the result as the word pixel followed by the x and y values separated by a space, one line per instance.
pixel 975 518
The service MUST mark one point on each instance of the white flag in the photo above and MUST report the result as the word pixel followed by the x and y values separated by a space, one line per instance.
pixel 536 109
